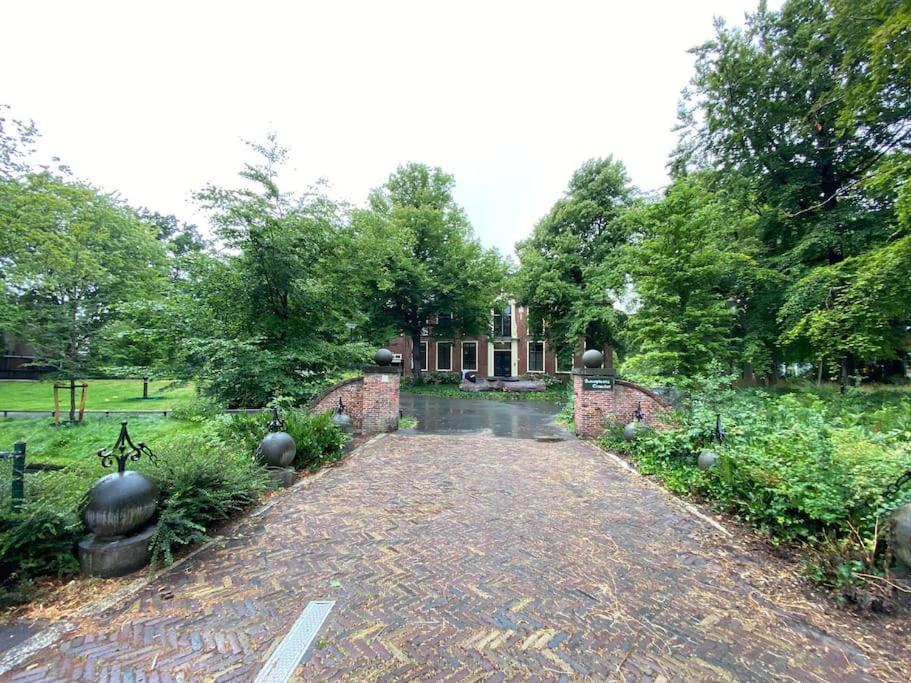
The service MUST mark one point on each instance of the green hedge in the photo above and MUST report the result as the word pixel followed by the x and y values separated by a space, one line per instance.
pixel 802 466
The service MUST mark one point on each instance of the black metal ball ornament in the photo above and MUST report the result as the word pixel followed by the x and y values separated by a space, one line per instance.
pixel 121 503
pixel 634 428
pixel 631 431
pixel 277 449
pixel 592 359
pixel 707 459
pixel 901 534
pixel 383 357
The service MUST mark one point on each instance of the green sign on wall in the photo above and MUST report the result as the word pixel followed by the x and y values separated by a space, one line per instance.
pixel 597 383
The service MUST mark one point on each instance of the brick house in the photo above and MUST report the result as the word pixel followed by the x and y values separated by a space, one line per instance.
pixel 508 351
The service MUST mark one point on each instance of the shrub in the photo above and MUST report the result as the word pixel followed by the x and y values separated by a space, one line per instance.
pixel 440 378
pixel 197 409
pixel 318 440
pixel 39 539
pixel 800 466
pixel 200 484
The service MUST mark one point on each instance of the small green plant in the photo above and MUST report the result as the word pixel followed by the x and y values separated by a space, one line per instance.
pixel 200 484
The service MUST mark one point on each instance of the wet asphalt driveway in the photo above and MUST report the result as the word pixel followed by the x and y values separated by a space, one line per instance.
pixel 516 419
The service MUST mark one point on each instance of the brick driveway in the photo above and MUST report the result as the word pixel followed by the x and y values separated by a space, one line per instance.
pixel 470 558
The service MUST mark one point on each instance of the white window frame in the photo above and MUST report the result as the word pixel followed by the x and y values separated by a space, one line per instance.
pixel 425 360
pixel 436 358
pixel 557 365
pixel 475 345
pixel 543 356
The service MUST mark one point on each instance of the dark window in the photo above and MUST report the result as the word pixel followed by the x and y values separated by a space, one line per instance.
pixel 444 355
pixel 502 322
pixel 565 360
pixel 469 355
pixel 423 355
pixel 535 356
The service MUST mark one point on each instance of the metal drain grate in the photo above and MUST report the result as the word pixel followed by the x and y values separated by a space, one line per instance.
pixel 285 658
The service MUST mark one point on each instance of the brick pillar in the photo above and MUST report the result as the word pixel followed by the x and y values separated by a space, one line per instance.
pixel 610 401
pixel 380 399
pixel 593 407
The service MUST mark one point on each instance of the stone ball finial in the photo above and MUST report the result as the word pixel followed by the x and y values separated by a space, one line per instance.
pixel 383 357
pixel 592 358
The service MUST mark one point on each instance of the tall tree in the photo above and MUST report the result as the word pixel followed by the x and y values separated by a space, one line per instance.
pixel 278 303
pixel 74 255
pixel 422 260
pixel 569 274
pixel 693 267
pixel 809 106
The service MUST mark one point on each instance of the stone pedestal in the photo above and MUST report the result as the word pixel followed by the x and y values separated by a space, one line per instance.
pixel 282 477
pixel 115 556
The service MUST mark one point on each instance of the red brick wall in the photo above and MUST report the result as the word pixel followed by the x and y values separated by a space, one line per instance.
pixel 371 401
pixel 380 403
pixel 351 392
pixel 597 410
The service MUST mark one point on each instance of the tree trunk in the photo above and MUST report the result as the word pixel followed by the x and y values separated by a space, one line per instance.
pixel 416 358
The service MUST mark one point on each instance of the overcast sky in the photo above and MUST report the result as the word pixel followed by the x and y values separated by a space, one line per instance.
pixel 153 98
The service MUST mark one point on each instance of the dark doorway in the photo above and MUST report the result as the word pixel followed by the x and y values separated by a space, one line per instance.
pixel 502 363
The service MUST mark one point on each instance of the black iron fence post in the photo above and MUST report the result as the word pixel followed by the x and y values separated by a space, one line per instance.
pixel 17 486
pixel 17 492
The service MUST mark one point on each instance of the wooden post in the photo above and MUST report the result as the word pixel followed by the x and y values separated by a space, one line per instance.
pixel 82 402
pixel 56 404
pixel 145 387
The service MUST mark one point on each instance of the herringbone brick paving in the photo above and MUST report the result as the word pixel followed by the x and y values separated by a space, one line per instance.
pixel 464 559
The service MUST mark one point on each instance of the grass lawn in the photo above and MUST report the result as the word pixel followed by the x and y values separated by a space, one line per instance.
pixel 77 446
pixel 102 394
pixel 557 393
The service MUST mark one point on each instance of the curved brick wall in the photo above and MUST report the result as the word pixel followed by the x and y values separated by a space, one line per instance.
pixel 371 401
pixel 351 392
pixel 597 410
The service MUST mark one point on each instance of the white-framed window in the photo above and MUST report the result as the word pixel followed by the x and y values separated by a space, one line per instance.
pixel 423 356
pixel 536 356
pixel 502 322
pixel 469 355
pixel 564 361
pixel 444 356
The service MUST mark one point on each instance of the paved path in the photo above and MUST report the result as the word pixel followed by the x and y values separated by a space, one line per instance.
pixel 468 558
pixel 520 419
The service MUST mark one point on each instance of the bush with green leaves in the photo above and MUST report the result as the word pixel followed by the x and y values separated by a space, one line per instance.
pixel 201 483
pixel 39 539
pixel 318 439
pixel 802 466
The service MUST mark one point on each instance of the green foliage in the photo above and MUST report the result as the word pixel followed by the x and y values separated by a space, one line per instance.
pixel 553 393
pixel 72 255
pixel 317 438
pixel 196 409
pixel 319 441
pixel 201 483
pixel 692 264
pixel 804 114
pixel 39 539
pixel 570 276
pixel 420 259
pixel 278 311
pixel 438 378
pixel 800 466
